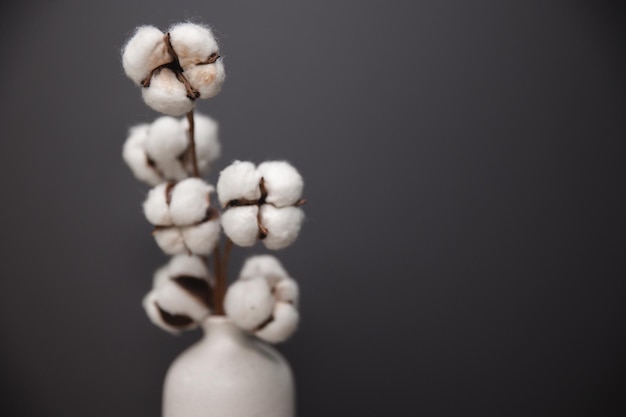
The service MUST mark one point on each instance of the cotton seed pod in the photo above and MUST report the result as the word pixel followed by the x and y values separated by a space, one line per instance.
pixel 266 266
pixel 282 183
pixel 144 51
pixel 134 155
pixel 166 94
pixel 207 79
pixel 282 225
pixel 238 181
pixel 249 303
pixel 241 225
pixel 284 322
pixel 208 147
pixel 181 296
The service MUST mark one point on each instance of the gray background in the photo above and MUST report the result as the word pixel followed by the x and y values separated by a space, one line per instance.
pixel 463 252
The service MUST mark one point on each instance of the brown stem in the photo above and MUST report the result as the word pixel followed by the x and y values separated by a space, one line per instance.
pixel 192 144
pixel 220 285
pixel 227 249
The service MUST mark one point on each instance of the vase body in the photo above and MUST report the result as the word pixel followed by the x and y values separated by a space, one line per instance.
pixel 229 373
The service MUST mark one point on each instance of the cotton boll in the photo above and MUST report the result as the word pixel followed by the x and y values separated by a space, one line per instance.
pixel 155 206
pixel 186 265
pixel 134 155
pixel 241 225
pixel 208 147
pixel 207 79
pixel 145 51
pixel 249 303
pixel 172 170
pixel 282 182
pixel 192 43
pixel 282 224
pixel 201 239
pixel 190 201
pixel 266 266
pixel 240 180
pixel 287 291
pixel 166 140
pixel 285 322
pixel 167 95
pixel 170 240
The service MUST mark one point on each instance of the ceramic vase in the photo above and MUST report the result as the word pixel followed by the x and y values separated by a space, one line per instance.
pixel 229 373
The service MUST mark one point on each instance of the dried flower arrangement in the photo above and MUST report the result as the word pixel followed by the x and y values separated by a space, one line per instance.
pixel 259 203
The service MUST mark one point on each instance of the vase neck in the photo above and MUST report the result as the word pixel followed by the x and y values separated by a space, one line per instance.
pixel 222 327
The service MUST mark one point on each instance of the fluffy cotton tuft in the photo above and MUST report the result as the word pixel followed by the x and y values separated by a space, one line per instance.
pixel 282 224
pixel 282 182
pixel 167 139
pixel 181 295
pixel 167 95
pixel 249 303
pixel 190 201
pixel 266 266
pixel 156 208
pixel 284 324
pixel 201 239
pixel 145 51
pixel 241 225
pixel 240 180
pixel 134 154
pixel 264 300
pixel 192 43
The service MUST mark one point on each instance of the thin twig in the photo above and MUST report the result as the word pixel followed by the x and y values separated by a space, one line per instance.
pixel 192 144
pixel 220 285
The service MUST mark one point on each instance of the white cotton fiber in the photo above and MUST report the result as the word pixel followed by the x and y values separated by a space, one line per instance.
pixel 202 238
pixel 282 182
pixel 172 298
pixel 240 225
pixel 134 155
pixel 161 275
pixel 190 201
pixel 208 147
pixel 265 266
pixel 150 303
pixel 285 322
pixel 166 140
pixel 170 240
pixel 249 303
pixel 192 43
pixel 167 95
pixel 155 206
pixel 287 291
pixel 185 265
pixel 282 224
pixel 145 51
pixel 240 180
pixel 207 79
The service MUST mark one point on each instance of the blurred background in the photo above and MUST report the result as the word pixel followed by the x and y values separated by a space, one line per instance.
pixel 464 249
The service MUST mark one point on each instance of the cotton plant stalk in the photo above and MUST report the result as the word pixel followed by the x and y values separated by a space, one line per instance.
pixel 255 203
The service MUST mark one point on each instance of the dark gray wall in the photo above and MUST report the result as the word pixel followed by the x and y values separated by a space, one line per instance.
pixel 464 247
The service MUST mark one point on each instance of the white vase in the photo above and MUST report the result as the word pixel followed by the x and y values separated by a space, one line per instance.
pixel 229 373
